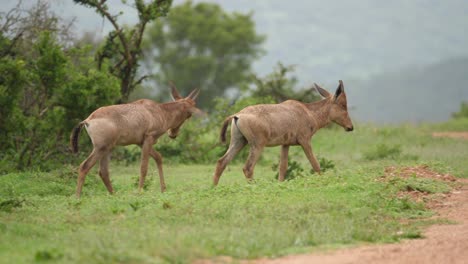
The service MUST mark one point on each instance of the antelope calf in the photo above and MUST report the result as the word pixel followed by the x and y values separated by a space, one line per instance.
pixel 141 122
pixel 287 124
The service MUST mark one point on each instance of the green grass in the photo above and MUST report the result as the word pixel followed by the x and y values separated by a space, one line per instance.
pixel 42 221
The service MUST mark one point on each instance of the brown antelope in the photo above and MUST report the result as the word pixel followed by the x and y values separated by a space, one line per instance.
pixel 287 124
pixel 141 122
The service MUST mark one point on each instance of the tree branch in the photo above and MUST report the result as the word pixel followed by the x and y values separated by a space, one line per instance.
pixel 142 78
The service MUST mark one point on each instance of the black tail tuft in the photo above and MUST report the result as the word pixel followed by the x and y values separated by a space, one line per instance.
pixel 74 137
pixel 222 135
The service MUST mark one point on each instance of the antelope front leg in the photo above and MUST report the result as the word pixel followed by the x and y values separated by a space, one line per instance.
pixel 310 156
pixel 283 166
pixel 145 152
pixel 158 158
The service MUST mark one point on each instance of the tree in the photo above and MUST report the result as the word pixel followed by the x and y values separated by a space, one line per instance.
pixel 46 86
pixel 200 45
pixel 463 113
pixel 279 86
pixel 123 45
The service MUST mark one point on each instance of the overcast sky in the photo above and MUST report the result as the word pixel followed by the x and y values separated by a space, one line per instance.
pixel 328 40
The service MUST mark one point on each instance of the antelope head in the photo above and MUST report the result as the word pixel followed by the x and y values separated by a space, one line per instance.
pixel 338 106
pixel 186 108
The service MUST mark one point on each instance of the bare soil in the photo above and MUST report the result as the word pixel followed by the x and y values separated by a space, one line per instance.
pixel 457 135
pixel 442 243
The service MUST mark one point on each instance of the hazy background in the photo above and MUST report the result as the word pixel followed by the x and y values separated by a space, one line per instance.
pixel 401 61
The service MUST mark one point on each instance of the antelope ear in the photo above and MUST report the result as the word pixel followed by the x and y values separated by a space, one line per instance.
pixel 194 94
pixel 340 89
pixel 324 93
pixel 174 93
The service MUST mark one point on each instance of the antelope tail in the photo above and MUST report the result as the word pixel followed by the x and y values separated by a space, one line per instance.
pixel 222 135
pixel 74 137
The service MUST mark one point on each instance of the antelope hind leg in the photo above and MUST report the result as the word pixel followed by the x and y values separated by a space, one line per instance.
pixel 254 155
pixel 104 172
pixel 85 166
pixel 238 142
pixel 158 159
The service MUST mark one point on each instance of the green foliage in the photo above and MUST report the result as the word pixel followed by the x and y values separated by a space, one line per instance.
pixel 12 79
pixel 463 113
pixel 295 169
pixel 122 47
pixel 325 164
pixel 454 124
pixel 281 87
pixel 45 94
pixel 9 204
pixel 146 185
pixel 201 45
pixel 382 151
pixel 47 255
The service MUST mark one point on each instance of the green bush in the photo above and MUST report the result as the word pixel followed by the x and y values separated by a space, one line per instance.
pixel 46 93
pixel 325 164
pixel 10 204
pixel 295 169
pixel 48 255
pixel 463 113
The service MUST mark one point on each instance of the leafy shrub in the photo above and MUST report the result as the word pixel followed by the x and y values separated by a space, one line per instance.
pixel 382 151
pixel 48 255
pixel 148 182
pixel 295 169
pixel 325 164
pixel 48 91
pixel 10 204
pixel 463 113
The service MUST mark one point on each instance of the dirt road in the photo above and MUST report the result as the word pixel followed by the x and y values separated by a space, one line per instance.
pixel 441 243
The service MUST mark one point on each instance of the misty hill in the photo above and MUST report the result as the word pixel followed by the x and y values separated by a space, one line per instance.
pixel 376 42
pixel 361 40
pixel 415 94
pixel 342 39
